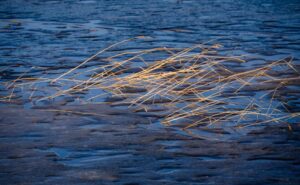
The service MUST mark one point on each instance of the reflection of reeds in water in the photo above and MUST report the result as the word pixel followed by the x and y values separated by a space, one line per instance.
pixel 195 85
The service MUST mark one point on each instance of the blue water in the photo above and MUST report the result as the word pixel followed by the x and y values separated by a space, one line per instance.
pixel 47 33
pixel 46 38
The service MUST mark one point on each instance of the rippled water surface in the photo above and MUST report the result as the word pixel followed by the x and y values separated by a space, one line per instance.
pixel 46 38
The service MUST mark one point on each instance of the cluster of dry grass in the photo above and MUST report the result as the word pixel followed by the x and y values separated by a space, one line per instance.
pixel 195 85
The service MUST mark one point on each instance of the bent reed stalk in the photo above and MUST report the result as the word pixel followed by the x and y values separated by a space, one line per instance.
pixel 194 86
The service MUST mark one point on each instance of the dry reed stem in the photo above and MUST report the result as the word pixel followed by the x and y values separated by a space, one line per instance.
pixel 190 82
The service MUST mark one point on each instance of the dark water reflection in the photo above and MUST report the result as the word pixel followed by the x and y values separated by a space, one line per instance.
pixel 49 32
pixel 54 36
